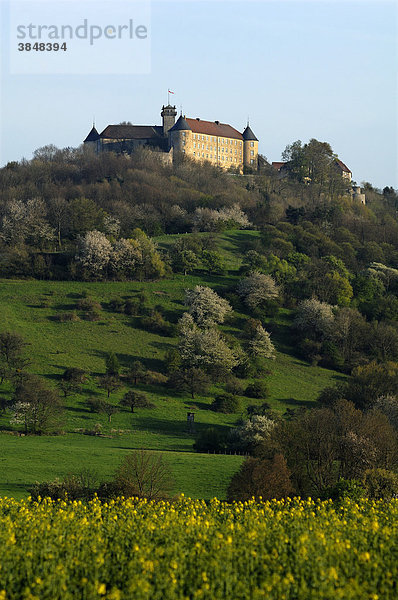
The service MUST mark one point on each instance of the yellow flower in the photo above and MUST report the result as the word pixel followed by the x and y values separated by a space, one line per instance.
pixel 101 589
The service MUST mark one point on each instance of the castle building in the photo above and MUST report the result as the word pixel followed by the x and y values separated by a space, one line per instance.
pixel 212 141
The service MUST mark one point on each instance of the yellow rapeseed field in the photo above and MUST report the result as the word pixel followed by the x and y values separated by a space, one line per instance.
pixel 190 550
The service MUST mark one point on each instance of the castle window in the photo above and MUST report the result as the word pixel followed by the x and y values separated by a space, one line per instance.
pixel 194 144
pixel 207 156
pixel 251 152
pixel 252 144
pixel 203 154
pixel 184 151
pixel 183 134
pixel 252 162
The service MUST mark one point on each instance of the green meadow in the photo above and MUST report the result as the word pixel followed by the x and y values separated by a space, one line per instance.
pixel 30 308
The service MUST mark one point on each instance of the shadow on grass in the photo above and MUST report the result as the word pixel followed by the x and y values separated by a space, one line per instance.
pixel 170 428
pixel 64 307
pixel 126 360
pixel 297 403
pixel 163 345
pixel 18 488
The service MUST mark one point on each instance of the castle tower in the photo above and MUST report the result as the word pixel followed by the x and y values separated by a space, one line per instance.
pixel 168 115
pixel 250 148
pixel 180 136
pixel 93 140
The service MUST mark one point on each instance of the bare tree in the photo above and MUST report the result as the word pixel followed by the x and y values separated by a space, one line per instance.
pixel 144 474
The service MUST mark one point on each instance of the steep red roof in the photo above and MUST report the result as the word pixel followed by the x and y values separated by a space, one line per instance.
pixel 342 166
pixel 214 128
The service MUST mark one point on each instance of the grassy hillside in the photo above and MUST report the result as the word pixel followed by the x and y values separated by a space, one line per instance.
pixel 31 307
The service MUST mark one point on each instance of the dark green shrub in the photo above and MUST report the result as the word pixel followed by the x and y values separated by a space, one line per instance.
pixel 226 403
pixel 68 317
pixel 210 440
pixel 92 315
pixel 346 488
pixel 234 386
pixel 74 374
pixel 380 483
pixel 117 305
pixel 156 323
pixel 88 304
pixel 258 389
pixel 79 486
pixel 132 307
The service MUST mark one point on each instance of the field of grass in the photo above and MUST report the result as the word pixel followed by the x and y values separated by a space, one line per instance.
pixel 30 308
pixel 119 550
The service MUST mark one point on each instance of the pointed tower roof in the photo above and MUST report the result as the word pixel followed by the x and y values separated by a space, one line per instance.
pixel 93 136
pixel 249 135
pixel 181 125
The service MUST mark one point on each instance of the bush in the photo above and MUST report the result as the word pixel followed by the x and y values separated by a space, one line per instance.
pixel 157 324
pixel 155 378
pixel 88 304
pixel 92 315
pixel 380 483
pixel 210 440
pixel 74 374
pixel 255 409
pixel 226 403
pixel 117 305
pixel 79 486
pixel 234 386
pixel 258 389
pixel 132 307
pixel 66 317
pixel 268 478
pixel 346 488
pixel 94 405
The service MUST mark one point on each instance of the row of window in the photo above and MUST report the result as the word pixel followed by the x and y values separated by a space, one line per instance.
pixel 222 149
pixel 213 139
pixel 224 158
pixel 207 138
pixel 211 148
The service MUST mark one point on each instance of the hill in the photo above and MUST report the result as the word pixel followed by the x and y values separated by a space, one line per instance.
pixel 31 307
pixel 95 256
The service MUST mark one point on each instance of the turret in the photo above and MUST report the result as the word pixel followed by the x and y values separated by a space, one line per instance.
pixel 93 140
pixel 180 136
pixel 168 115
pixel 250 148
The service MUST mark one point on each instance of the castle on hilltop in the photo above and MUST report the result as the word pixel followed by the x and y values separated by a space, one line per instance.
pixel 219 143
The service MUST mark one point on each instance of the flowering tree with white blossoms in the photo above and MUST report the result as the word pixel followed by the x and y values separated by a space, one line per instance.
pixel 206 306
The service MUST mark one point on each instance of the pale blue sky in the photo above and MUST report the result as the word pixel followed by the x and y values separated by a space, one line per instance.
pixel 300 69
